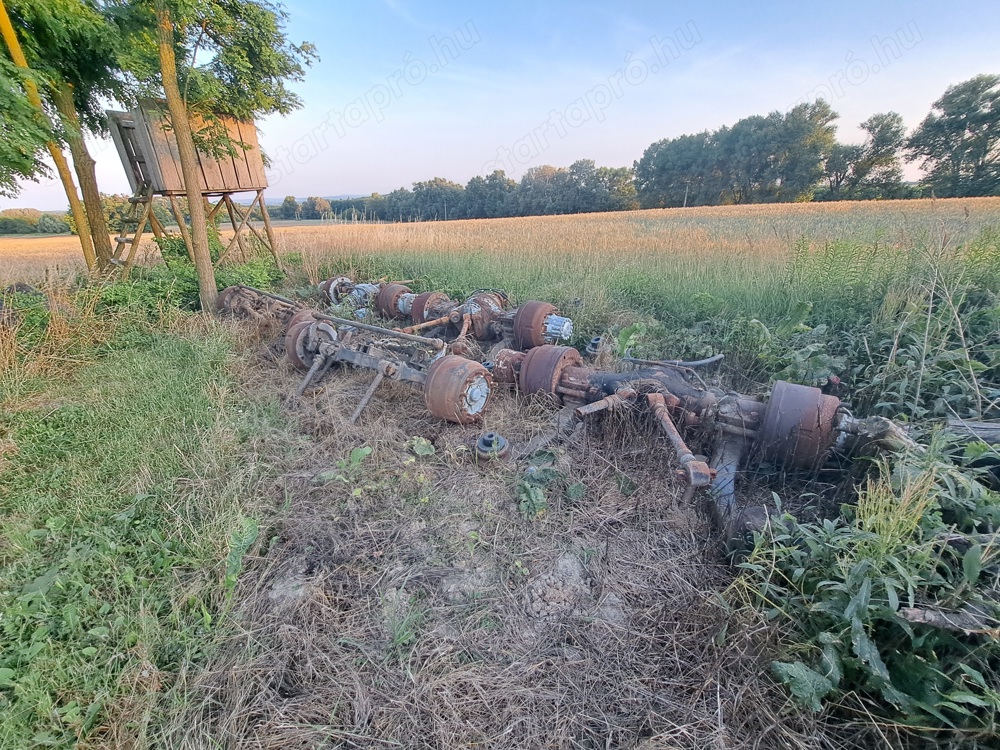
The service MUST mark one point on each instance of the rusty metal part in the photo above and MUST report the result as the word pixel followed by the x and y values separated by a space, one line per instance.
pixel 543 366
pixel 247 301
pixel 385 369
pixel 457 389
pixel 529 324
pixel 443 320
pixel 624 397
pixel 507 366
pixel 387 301
pixel 798 426
pixel 696 471
pixel 302 316
pixel 427 306
pixel 222 300
pixel 433 343
pixel 334 290
pixel 303 340
pixel 484 311
pixel 492 446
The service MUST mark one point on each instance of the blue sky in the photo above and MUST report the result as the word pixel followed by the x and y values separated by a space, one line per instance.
pixel 408 90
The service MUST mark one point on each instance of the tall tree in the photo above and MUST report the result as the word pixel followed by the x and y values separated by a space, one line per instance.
pixel 315 208
pixel 805 135
pixel 682 171
pixel 181 124
pixel 958 143
pixel 289 208
pixel 838 169
pixel 486 197
pixel 23 133
pixel 616 185
pixel 439 199
pixel 877 172
pixel 62 168
pixel 72 46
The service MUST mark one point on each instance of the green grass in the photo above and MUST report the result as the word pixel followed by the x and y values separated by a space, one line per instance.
pixel 118 506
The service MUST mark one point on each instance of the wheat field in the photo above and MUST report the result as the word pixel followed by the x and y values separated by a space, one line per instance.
pixel 762 232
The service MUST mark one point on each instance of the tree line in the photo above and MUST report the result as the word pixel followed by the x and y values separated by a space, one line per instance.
pixel 796 156
pixel 583 187
pixel 779 157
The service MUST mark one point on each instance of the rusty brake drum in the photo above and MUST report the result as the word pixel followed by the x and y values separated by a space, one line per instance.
pixel 303 339
pixel 798 426
pixel 387 301
pixel 425 304
pixel 457 389
pixel 542 367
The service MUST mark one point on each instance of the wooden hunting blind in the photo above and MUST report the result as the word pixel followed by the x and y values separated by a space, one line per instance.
pixel 227 164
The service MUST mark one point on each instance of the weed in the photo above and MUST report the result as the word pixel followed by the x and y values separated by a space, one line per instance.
pixel 854 594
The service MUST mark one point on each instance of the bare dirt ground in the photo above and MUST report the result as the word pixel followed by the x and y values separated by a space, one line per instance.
pixel 406 602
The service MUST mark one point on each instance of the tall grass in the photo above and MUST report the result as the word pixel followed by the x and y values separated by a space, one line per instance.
pixel 126 464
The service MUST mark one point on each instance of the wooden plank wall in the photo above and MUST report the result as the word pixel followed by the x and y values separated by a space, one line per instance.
pixel 240 172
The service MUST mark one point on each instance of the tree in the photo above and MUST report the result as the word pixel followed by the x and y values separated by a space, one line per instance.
pixel 805 135
pixel 49 224
pixel 181 125
pixel 399 205
pixel 248 61
pixel 871 169
pixel 839 167
pixel 959 141
pixel 682 171
pixel 315 208
pixel 23 134
pixel 72 47
pixel 486 197
pixel 55 152
pixel 438 199
pixel 289 208
pixel 617 187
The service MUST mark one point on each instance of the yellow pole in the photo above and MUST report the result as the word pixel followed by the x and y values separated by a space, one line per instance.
pixel 62 167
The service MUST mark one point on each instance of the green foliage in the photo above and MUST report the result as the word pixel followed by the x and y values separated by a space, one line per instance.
pixel 289 208
pixel 348 469
pixel 49 224
pixel 843 590
pixel 175 284
pixel 23 134
pixel 315 208
pixel 72 43
pixel 420 446
pixel 16 226
pixel 959 141
pixel 757 160
pixel 535 484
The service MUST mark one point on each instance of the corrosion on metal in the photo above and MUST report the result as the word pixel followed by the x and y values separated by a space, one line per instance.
pixel 457 389
pixel 529 324
pixel 696 470
pixel 798 426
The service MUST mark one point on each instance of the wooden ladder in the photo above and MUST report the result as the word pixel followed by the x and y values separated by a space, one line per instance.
pixel 133 226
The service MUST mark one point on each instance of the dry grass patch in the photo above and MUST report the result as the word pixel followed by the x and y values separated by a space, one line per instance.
pixel 404 601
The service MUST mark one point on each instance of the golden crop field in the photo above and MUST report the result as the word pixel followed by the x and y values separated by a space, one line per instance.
pixel 597 240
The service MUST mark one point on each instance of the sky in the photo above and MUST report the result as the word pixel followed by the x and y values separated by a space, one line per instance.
pixel 406 90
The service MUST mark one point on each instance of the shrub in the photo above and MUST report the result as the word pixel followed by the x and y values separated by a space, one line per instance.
pixel 49 224
pixel 867 598
pixel 10 225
